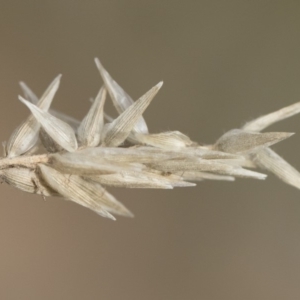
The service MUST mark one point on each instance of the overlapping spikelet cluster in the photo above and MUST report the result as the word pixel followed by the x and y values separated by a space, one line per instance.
pixel 79 158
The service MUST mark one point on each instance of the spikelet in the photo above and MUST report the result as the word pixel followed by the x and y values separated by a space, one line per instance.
pixel 241 141
pixel 263 122
pixel 61 132
pixel 31 96
pixel 83 192
pixel 269 160
pixel 26 135
pixel 120 98
pixel 117 131
pixel 27 180
pixel 90 129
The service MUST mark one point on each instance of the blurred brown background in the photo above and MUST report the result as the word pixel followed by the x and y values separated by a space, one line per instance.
pixel 223 63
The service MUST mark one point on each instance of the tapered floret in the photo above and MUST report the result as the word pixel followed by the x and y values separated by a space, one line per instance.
pixel 26 135
pixel 120 98
pixel 90 129
pixel 116 132
pixel 60 132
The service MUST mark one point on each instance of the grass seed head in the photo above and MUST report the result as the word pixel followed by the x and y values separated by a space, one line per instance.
pixel 80 158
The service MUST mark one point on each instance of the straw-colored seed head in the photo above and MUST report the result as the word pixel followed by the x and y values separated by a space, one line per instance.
pixel 79 157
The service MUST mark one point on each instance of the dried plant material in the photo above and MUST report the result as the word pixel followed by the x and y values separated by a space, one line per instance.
pixel 132 136
pixel 81 165
pixel 241 141
pixel 23 138
pixel 74 123
pixel 127 180
pixel 27 180
pixel 74 188
pixel 269 160
pixel 126 155
pixel 90 129
pixel 263 122
pixel 117 131
pixel 83 192
pixel 233 162
pixel 141 179
pixel 199 176
pixel 209 166
pixel 49 144
pixel 31 96
pixel 61 132
pixel 45 101
pixel 120 98
pixel 28 93
pixel 208 153
pixel 20 178
pixel 122 153
pixel 26 135
pixel 171 140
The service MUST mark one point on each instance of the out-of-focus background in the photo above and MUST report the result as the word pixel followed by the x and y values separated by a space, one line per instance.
pixel 223 63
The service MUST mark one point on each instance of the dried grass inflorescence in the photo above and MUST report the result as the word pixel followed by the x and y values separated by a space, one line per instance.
pixel 53 154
